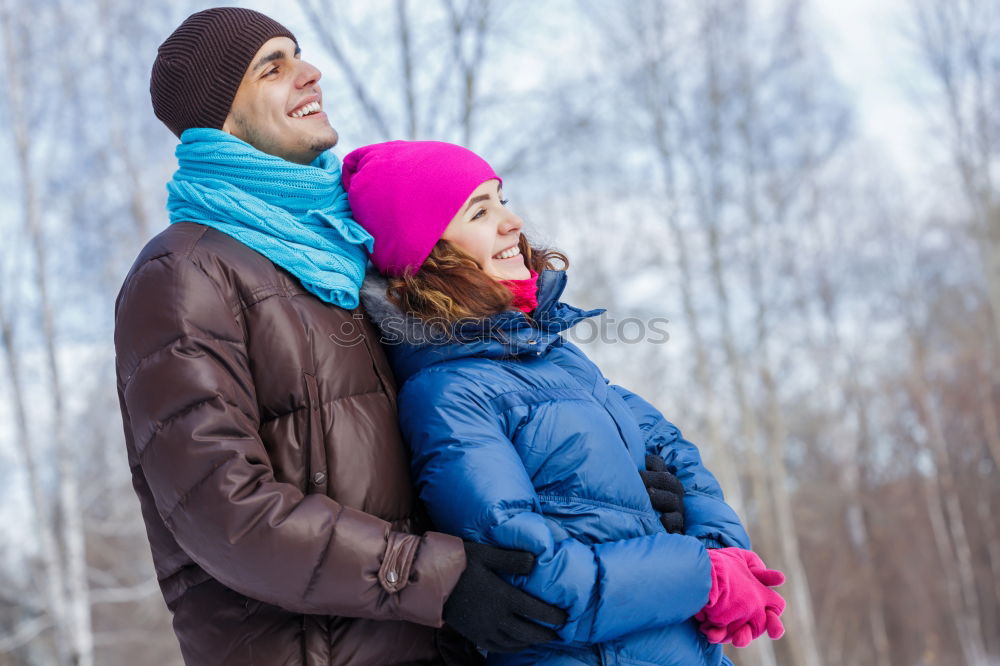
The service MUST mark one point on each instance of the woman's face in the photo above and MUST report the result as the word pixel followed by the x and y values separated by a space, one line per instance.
pixel 485 229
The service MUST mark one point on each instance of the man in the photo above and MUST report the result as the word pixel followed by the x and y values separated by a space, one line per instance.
pixel 259 409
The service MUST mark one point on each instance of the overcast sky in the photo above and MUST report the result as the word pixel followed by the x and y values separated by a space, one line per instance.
pixel 870 56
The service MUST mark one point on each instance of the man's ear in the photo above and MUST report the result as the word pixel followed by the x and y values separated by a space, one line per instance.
pixel 227 125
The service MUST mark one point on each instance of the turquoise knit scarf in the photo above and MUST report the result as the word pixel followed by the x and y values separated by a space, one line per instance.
pixel 297 216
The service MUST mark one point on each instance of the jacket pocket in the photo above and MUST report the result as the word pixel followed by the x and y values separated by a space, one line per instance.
pixel 314 448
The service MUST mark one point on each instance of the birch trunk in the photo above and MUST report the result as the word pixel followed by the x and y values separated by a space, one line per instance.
pixel 801 640
pixel 855 465
pixel 42 516
pixel 947 517
pixel 709 202
pixel 404 33
pixel 655 95
pixel 76 606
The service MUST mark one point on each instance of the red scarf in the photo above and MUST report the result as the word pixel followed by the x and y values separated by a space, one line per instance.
pixel 525 292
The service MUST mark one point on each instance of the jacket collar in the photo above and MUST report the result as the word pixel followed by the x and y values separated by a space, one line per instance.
pixel 412 345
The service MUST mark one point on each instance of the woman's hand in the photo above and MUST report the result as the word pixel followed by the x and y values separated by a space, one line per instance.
pixel 741 605
pixel 665 492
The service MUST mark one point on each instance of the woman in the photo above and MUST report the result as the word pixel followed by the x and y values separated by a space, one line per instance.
pixel 518 440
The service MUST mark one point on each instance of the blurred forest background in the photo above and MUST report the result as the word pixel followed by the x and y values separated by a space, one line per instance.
pixel 834 313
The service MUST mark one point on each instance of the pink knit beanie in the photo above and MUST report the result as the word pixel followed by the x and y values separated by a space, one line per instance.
pixel 404 193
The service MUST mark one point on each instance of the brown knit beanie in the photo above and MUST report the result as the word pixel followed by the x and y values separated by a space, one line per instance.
pixel 199 67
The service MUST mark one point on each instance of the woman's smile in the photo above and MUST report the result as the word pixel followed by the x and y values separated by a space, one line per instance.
pixel 509 253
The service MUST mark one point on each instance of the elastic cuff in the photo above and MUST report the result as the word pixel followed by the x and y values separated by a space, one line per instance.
pixel 436 564
pixel 711 542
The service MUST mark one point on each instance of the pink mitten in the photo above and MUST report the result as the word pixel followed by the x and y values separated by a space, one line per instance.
pixel 741 605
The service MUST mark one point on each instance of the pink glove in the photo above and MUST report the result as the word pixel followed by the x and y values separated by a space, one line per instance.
pixel 740 634
pixel 741 605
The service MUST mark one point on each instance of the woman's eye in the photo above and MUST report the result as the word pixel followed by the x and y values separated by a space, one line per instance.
pixel 479 213
pixel 504 202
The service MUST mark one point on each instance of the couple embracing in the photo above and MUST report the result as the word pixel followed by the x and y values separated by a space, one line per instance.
pixel 457 483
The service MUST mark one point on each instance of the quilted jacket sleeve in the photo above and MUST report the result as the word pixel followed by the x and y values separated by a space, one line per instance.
pixel 191 420
pixel 707 516
pixel 474 484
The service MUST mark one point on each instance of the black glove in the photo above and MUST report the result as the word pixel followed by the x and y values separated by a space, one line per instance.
pixel 665 492
pixel 491 612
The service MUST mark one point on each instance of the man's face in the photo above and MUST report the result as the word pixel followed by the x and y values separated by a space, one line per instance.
pixel 278 106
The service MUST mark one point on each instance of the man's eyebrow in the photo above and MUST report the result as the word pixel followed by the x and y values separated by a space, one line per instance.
pixel 274 55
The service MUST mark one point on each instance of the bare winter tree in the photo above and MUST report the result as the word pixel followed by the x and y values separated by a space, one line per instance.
pixel 434 70
pixel 466 30
pixel 856 430
pixel 947 518
pixel 739 121
pixel 959 48
pixel 68 603
pixel 80 192
pixel 834 342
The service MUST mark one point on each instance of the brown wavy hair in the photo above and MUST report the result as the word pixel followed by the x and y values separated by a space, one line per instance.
pixel 451 285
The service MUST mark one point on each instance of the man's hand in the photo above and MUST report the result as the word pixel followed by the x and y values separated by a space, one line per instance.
pixel 491 612
pixel 665 492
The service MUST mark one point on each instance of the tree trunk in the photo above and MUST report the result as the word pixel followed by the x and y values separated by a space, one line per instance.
pixel 76 609
pixel 947 519
pixel 42 514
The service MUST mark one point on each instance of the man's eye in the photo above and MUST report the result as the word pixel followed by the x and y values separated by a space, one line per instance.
pixel 273 70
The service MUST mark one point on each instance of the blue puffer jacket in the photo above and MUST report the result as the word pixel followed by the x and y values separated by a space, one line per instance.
pixel 519 441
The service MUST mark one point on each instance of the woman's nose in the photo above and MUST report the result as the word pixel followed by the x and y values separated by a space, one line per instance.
pixel 510 224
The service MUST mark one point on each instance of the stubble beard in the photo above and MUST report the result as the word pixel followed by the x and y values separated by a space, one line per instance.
pixel 320 145
pixel 259 140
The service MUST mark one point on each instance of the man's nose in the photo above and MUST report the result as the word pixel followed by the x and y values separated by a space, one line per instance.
pixel 307 75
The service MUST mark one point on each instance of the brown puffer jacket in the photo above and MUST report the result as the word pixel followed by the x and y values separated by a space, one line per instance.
pixel 264 447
